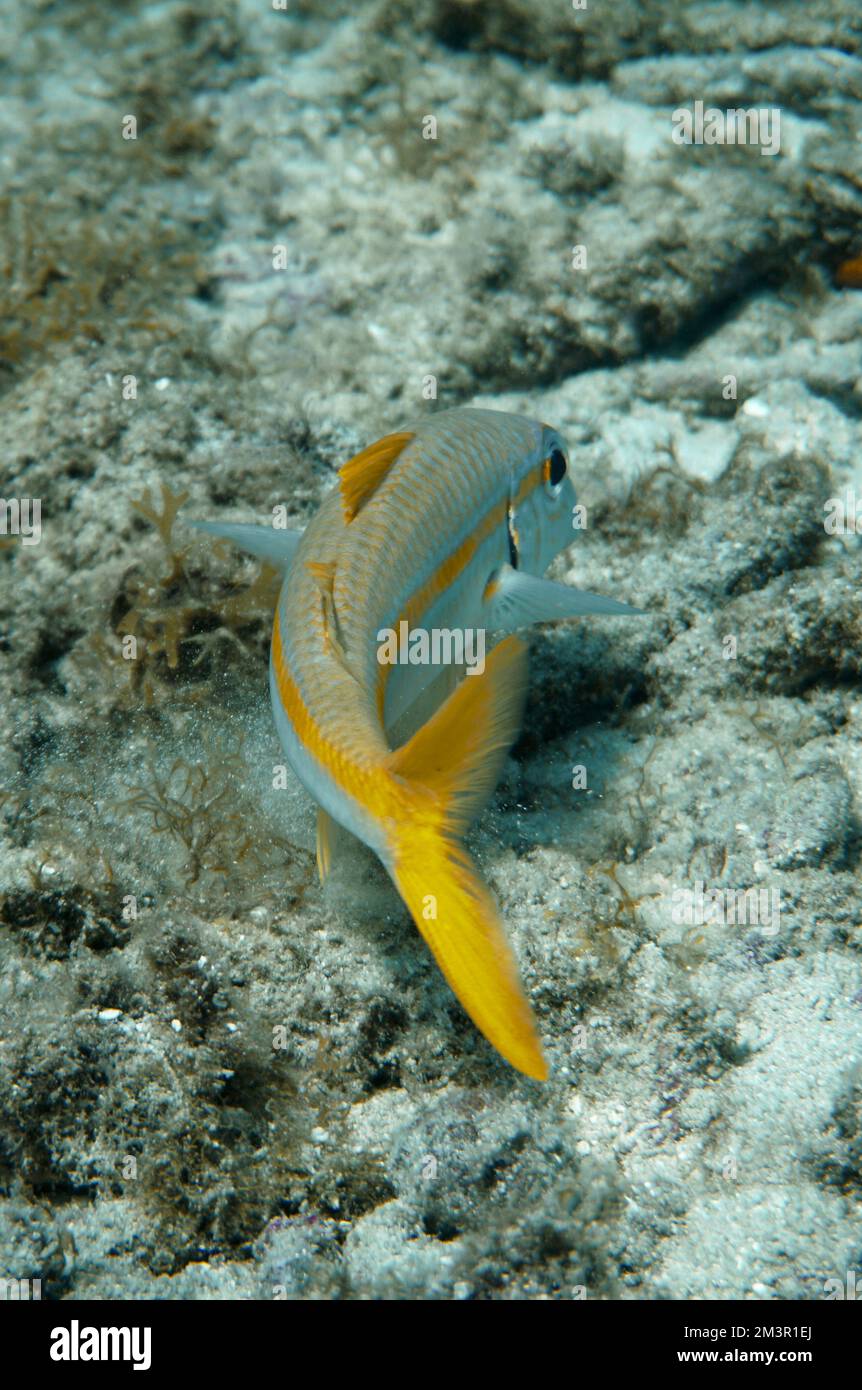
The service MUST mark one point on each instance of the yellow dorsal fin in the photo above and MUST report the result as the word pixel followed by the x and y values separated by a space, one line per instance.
pixel 456 759
pixel 362 475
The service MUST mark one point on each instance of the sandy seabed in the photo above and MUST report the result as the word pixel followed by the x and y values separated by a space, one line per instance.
pixel 231 256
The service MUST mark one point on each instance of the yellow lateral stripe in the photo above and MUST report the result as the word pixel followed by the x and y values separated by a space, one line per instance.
pixel 369 786
pixel 451 568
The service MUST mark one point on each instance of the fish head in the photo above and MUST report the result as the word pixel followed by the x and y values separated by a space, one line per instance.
pixel 542 517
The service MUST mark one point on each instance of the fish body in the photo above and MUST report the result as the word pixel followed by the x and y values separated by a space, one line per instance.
pixel 442 528
pixel 421 548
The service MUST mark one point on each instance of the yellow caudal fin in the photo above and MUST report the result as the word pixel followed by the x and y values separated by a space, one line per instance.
pixel 460 751
pixel 449 767
pixel 457 917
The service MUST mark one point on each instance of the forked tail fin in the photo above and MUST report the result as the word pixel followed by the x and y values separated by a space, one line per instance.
pixel 449 768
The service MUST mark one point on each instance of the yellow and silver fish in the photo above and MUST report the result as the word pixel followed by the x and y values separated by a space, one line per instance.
pixel 442 529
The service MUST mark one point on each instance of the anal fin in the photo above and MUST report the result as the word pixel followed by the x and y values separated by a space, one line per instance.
pixel 326 831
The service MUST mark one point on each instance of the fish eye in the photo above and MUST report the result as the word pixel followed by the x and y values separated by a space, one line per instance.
pixel 553 472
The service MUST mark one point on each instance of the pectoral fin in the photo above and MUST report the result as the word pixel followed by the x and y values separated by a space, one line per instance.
pixel 323 574
pixel 266 542
pixel 516 599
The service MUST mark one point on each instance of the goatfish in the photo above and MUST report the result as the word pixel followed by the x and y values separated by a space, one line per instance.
pixel 445 527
